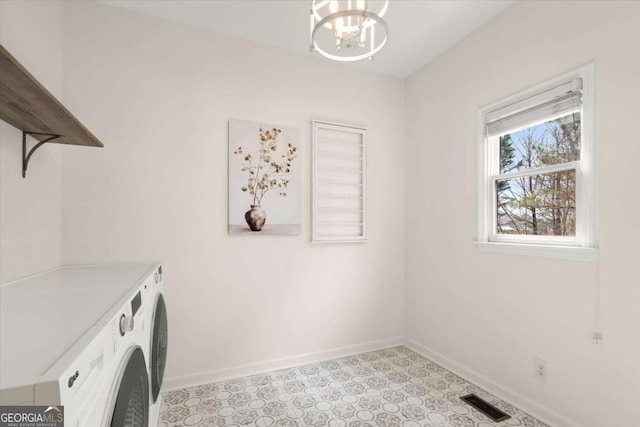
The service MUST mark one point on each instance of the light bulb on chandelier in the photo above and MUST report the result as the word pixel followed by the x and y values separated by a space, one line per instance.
pixel 348 30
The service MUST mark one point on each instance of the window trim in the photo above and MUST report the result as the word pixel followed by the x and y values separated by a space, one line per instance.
pixel 583 246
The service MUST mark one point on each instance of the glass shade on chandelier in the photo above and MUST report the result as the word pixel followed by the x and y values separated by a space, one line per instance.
pixel 348 30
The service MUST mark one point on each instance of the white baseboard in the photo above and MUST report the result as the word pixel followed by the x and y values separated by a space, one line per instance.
pixel 176 383
pixel 534 409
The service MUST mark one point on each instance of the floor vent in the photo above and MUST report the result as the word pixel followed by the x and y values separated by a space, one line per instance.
pixel 486 408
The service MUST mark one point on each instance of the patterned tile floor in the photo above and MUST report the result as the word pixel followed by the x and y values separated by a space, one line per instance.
pixel 394 387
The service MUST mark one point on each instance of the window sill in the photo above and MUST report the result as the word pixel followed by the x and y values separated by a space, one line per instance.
pixel 545 251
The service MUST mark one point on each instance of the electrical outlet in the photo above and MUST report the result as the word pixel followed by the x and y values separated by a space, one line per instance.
pixel 540 369
pixel 596 338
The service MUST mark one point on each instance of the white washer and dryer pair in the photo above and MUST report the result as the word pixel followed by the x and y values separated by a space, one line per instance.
pixel 80 337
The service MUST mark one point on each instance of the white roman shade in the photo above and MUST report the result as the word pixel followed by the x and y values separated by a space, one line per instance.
pixel 338 183
pixel 554 102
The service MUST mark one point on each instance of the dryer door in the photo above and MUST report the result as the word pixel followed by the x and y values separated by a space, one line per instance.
pixel 158 347
pixel 132 401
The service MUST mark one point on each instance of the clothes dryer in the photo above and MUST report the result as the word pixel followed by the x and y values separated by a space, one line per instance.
pixel 156 315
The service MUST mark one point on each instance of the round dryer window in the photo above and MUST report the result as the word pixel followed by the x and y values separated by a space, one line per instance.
pixel 158 347
pixel 132 403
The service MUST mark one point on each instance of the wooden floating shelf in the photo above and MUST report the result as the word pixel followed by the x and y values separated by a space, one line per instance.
pixel 27 105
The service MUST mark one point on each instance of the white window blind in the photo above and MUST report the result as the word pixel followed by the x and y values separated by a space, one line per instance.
pixel 338 183
pixel 557 101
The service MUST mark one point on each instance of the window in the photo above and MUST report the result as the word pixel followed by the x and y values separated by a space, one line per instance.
pixel 338 183
pixel 536 166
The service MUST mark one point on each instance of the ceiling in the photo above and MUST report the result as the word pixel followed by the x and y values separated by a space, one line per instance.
pixel 419 30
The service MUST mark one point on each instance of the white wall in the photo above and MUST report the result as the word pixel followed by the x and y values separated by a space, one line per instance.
pixel 159 96
pixel 492 314
pixel 30 208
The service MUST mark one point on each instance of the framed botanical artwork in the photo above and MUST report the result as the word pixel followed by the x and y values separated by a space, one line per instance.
pixel 264 179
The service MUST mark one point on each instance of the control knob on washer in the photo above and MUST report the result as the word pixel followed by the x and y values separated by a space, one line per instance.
pixel 126 324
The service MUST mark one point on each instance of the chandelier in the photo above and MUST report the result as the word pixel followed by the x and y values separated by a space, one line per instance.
pixel 348 30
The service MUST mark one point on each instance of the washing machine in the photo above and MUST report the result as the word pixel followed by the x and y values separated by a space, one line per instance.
pixel 156 315
pixel 76 337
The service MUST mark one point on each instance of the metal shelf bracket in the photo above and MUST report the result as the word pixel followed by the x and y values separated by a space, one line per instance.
pixel 26 156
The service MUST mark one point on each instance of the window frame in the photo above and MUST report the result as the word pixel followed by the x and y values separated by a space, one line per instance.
pixel 583 245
